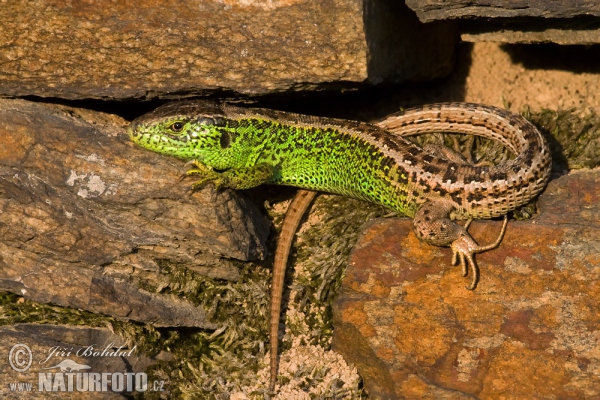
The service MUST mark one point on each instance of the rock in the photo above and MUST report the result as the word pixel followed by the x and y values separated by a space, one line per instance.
pixel 561 22
pixel 568 32
pixel 59 345
pixel 87 218
pixel 530 329
pixel 433 10
pixel 83 50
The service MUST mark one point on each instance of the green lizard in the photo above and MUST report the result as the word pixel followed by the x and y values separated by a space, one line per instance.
pixel 240 148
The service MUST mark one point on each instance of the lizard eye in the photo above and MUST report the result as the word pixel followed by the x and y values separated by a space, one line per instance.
pixel 177 126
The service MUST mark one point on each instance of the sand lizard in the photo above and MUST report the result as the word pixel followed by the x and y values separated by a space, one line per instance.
pixel 240 148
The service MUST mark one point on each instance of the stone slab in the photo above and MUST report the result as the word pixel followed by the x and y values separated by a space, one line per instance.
pixel 433 10
pixel 531 329
pixel 160 48
pixel 87 218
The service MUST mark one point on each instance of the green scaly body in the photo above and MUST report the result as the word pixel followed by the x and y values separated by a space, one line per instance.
pixel 256 146
pixel 301 151
pixel 241 148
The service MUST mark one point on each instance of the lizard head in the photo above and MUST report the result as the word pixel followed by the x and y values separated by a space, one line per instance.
pixel 187 130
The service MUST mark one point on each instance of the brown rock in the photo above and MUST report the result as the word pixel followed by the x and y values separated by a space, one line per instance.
pixel 160 48
pixel 530 329
pixel 86 217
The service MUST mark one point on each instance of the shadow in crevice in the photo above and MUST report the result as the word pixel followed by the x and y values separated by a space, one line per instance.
pixel 403 49
pixel 550 56
pixel 560 163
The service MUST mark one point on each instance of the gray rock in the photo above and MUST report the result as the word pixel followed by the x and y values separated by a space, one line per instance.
pixel 434 10
pixel 87 218
pixel 561 22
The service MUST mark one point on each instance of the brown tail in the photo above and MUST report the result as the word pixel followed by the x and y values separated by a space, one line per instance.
pixel 291 222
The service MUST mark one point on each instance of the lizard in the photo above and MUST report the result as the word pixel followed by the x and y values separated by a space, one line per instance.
pixel 240 148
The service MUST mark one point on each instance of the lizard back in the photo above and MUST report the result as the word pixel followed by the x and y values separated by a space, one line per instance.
pixel 362 160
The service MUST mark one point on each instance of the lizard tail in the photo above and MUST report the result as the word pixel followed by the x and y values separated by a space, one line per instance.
pixel 291 222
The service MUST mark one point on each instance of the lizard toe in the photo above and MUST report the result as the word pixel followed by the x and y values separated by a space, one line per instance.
pixel 463 250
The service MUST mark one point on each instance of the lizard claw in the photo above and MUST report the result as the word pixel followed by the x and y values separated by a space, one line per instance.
pixel 207 175
pixel 464 248
pixel 462 251
pixel 183 176
pixel 198 169
pixel 198 164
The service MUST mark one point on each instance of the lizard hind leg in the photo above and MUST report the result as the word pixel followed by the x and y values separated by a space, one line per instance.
pixel 433 226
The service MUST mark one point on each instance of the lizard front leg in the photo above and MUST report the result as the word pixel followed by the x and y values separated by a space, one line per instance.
pixel 433 225
pixel 234 178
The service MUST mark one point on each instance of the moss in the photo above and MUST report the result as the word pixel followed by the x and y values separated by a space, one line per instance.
pixel 215 364
pixel 16 309
pixel 574 136
pixel 205 364
pixel 323 251
pixel 476 150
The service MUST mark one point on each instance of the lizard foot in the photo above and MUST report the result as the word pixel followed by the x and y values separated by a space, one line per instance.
pixel 465 247
pixel 207 175
pixel 233 178
pixel 199 169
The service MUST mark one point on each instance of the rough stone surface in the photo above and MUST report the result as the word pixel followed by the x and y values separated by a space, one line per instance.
pixel 144 49
pixel 87 217
pixel 531 329
pixel 52 344
pixel 521 21
pixel 564 32
pixel 431 10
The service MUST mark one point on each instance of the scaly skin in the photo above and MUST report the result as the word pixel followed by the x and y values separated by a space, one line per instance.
pixel 292 219
pixel 254 146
